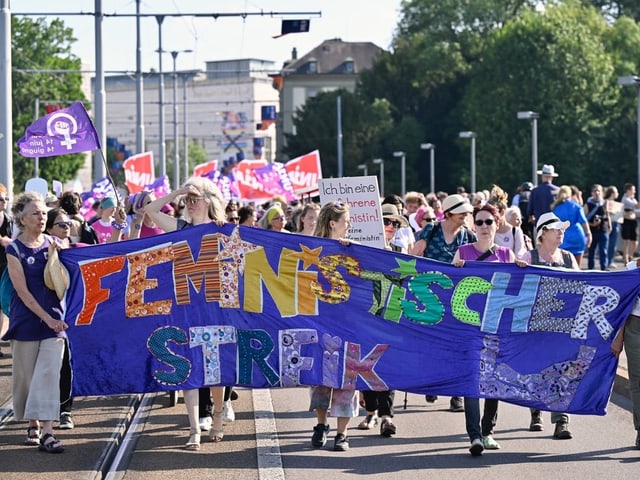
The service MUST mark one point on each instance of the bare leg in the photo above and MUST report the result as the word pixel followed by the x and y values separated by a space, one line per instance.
pixel 217 430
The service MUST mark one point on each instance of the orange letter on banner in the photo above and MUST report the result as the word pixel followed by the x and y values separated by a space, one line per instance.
pixel 206 268
pixel 138 283
pixel 94 294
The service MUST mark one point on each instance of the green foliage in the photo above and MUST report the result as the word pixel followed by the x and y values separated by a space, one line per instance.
pixel 38 47
pixel 364 125
pixel 555 64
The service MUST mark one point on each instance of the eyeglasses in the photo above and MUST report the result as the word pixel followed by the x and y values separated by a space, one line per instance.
pixel 63 224
pixel 279 217
pixel 428 220
pixel 234 219
pixel 4 199
pixel 192 200
pixel 488 222
pixel 388 222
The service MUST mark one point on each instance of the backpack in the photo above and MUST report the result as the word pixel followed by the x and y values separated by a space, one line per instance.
pixel 523 204
pixel 88 234
pixel 6 286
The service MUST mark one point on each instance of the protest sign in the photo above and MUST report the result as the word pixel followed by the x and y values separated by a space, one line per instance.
pixel 362 197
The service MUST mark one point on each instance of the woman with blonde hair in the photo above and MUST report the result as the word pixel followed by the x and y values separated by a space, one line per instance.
pixel 577 237
pixel 204 204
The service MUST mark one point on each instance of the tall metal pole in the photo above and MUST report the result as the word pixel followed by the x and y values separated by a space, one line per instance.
pixel 6 120
pixel 161 146
pixel 473 164
pixel 339 139
pixel 185 143
pixel 638 137
pixel 380 161
pixel 176 161
pixel 403 175
pixel 100 103
pixel 432 169
pixel 139 86
pixel 534 150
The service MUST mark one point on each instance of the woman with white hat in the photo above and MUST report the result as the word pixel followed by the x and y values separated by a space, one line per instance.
pixel 550 234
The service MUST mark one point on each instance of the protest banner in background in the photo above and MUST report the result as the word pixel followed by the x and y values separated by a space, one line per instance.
pixel 64 131
pixel 305 172
pixel 261 309
pixel 204 169
pixel 139 171
pixel 363 198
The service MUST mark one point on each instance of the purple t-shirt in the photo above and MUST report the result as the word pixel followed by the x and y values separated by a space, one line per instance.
pixel 24 325
pixel 469 252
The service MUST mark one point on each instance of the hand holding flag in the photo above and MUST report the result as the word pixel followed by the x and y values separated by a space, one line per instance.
pixel 64 131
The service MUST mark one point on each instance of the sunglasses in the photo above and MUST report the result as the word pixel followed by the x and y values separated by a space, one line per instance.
pixel 192 200
pixel 4 199
pixel 428 220
pixel 234 219
pixel 488 222
pixel 63 224
pixel 388 222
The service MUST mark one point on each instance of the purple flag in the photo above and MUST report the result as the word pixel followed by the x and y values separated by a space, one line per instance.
pixel 64 131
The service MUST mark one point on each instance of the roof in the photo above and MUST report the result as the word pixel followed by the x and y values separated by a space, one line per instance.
pixel 336 57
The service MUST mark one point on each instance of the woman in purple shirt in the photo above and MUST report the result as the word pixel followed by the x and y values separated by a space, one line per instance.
pixel 36 327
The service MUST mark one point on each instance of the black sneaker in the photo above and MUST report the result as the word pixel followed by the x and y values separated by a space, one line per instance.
pixel 319 438
pixel 536 423
pixel 431 398
pixel 562 431
pixel 638 441
pixel 341 443
pixel 66 421
pixel 456 405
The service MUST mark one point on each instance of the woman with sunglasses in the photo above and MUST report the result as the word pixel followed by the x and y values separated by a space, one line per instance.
pixel 485 219
pixel 204 204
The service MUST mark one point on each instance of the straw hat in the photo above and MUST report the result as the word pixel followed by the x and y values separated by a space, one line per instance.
pixel 390 211
pixel 550 222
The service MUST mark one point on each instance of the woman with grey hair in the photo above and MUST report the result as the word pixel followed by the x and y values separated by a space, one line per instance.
pixel 36 327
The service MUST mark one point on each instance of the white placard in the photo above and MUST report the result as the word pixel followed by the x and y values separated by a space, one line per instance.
pixel 363 198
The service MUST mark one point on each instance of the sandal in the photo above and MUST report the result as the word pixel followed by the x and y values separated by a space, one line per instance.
pixel 387 428
pixel 369 422
pixel 194 442
pixel 53 445
pixel 33 436
pixel 217 429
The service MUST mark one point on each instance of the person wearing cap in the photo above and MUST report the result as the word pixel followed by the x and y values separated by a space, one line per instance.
pixel 550 234
pixel 379 404
pixel 521 200
pixel 543 195
pixel 104 225
pixel 440 241
pixel 595 209
pixel 404 237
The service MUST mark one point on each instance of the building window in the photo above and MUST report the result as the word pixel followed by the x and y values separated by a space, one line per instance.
pixel 312 66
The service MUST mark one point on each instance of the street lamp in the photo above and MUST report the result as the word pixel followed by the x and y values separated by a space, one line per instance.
pixel 161 142
pixel 533 116
pixel 472 136
pixel 432 164
pixel 176 161
pixel 403 179
pixel 626 81
pixel 380 161
pixel 363 167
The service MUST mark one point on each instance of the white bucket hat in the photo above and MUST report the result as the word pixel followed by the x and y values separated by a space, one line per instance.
pixel 550 222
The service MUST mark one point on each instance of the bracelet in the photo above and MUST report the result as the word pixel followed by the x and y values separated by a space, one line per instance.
pixel 119 226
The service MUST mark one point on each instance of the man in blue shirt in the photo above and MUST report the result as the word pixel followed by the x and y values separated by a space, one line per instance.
pixel 543 195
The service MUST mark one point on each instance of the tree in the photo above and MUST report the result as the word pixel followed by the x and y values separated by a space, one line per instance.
pixel 38 49
pixel 363 127
pixel 557 65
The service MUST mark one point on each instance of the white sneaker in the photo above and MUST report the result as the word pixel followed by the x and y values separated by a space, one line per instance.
pixel 205 423
pixel 228 415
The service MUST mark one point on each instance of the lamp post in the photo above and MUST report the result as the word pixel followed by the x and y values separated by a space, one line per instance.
pixel 176 161
pixel 533 116
pixel 380 161
pixel 432 164
pixel 403 179
pixel 472 136
pixel 363 167
pixel 634 80
pixel 161 141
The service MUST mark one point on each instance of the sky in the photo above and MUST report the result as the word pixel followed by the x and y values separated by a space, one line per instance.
pixel 222 39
